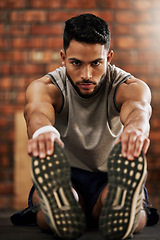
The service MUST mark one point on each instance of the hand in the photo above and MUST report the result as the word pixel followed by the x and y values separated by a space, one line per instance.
pixel 43 144
pixel 133 141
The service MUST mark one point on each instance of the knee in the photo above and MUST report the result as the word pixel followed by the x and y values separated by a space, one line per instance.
pixel 100 202
pixel 41 222
pixel 35 199
pixel 142 221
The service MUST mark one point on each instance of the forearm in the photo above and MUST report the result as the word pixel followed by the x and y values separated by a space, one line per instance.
pixel 42 100
pixel 139 119
pixel 136 114
pixel 135 118
pixel 42 134
pixel 36 121
pixel 37 116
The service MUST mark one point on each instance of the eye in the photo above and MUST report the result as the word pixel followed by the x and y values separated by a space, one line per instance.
pixel 96 63
pixel 76 62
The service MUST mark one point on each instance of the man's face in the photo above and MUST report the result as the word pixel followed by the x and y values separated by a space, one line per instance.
pixel 86 65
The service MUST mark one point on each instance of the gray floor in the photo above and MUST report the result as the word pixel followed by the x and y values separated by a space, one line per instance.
pixel 10 232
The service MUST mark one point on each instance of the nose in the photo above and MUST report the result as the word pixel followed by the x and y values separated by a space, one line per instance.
pixel 86 72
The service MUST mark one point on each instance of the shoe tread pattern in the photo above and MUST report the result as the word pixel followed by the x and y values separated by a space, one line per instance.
pixel 51 177
pixel 123 203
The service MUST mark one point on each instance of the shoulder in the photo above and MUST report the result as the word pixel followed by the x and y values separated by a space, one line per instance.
pixel 42 90
pixel 133 89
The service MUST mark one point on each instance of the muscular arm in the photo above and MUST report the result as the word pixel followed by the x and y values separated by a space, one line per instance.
pixel 42 99
pixel 134 99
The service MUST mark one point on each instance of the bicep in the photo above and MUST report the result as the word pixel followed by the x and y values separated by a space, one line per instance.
pixel 38 110
pixel 39 91
pixel 135 108
pixel 38 101
pixel 133 95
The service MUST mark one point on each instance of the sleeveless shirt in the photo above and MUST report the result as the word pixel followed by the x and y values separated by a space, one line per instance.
pixel 89 126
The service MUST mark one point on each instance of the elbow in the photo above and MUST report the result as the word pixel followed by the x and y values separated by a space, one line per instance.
pixel 28 111
pixel 146 107
pixel 131 109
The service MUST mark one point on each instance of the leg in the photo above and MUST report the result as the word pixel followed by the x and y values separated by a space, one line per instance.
pixel 41 221
pixel 51 177
pixel 100 203
pixel 121 214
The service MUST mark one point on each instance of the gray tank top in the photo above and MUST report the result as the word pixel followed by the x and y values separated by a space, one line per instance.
pixel 89 126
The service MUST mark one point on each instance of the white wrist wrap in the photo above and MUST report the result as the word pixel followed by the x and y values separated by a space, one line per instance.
pixel 44 130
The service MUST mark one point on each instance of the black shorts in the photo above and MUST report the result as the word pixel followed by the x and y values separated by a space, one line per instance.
pixel 89 185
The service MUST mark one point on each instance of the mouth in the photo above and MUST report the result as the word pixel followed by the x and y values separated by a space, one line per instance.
pixel 86 86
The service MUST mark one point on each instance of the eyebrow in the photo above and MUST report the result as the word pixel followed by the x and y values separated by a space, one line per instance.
pixel 76 59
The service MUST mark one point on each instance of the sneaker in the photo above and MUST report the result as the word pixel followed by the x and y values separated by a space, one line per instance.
pixel 27 216
pixel 51 177
pixel 152 213
pixel 120 213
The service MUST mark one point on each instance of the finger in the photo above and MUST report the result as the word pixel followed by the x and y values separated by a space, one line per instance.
pixel 56 139
pixel 49 145
pixel 124 144
pixel 29 147
pixel 117 141
pixel 59 141
pixel 34 147
pixel 146 145
pixel 131 146
pixel 139 146
pixel 42 146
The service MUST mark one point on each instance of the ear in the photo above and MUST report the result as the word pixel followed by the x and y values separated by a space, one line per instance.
pixel 63 57
pixel 109 56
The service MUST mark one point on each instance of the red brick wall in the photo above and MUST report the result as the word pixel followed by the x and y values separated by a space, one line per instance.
pixel 30 40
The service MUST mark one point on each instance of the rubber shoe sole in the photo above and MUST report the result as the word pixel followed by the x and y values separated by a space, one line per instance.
pixel 51 177
pixel 120 213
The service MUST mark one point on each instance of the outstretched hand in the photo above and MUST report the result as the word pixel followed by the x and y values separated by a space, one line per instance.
pixel 133 141
pixel 43 144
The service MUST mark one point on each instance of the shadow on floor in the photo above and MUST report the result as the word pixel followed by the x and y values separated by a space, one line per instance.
pixel 10 232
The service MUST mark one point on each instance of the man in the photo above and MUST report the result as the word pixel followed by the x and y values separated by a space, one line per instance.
pixel 90 166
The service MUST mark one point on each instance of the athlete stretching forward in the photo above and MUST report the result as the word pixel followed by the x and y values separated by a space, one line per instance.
pixel 88 127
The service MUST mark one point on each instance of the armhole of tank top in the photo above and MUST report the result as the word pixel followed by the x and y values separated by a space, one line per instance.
pixel 115 92
pixel 55 83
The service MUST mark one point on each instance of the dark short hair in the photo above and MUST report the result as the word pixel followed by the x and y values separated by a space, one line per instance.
pixel 86 28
